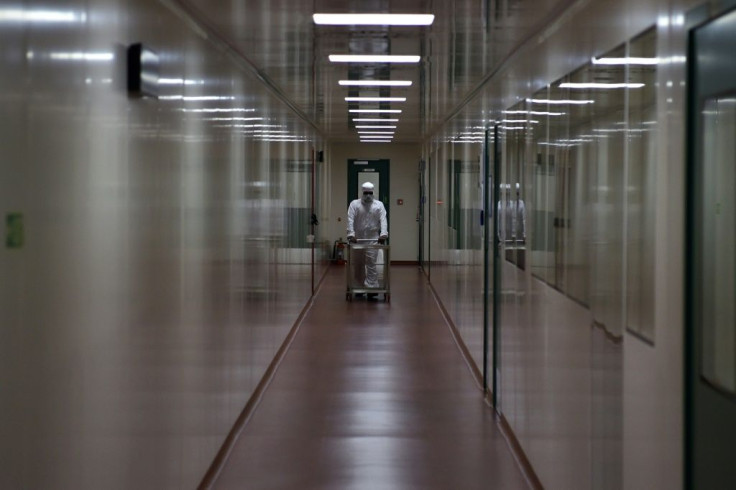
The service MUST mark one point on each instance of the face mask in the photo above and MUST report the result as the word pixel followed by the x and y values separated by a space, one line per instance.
pixel 367 197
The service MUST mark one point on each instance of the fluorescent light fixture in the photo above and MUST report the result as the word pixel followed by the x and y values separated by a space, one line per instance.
pixel 372 58
pixel 375 127
pixel 375 99
pixel 601 85
pixel 282 137
pixel 219 109
pixel 234 119
pixel 375 141
pixel 79 56
pixel 373 19
pixel 375 111
pixel 271 140
pixel 195 99
pixel 622 130
pixel 376 132
pixel 536 113
pixel 250 126
pixel 51 16
pixel 520 121
pixel 375 83
pixel 267 132
pixel 559 101
pixel 677 20
pixel 207 97
pixel 625 61
pixel 179 81
pixel 90 81
pixel 371 119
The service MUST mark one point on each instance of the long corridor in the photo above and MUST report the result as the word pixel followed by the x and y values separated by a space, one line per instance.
pixel 372 395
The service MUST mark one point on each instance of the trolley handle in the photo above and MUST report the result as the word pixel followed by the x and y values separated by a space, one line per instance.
pixel 365 240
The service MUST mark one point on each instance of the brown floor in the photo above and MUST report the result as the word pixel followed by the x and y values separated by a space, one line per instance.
pixel 372 395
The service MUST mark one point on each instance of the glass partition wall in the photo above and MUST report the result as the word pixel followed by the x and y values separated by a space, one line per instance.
pixel 574 243
pixel 455 203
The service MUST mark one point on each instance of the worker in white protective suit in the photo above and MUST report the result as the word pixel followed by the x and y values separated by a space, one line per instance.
pixel 366 222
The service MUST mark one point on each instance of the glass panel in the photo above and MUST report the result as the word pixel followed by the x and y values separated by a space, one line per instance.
pixel 719 243
pixel 542 233
pixel 594 219
pixel 580 147
pixel 513 208
pixel 641 188
pixel 559 151
pixel 607 187
pixel 469 236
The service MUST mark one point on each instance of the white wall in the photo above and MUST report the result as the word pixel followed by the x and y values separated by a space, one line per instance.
pixel 145 304
pixel 404 163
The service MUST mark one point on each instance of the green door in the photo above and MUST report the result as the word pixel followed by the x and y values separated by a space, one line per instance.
pixel 711 341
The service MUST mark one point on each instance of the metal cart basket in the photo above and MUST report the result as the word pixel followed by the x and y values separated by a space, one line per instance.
pixel 355 273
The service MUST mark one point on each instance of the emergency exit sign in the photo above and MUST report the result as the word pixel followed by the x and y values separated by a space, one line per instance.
pixel 14 230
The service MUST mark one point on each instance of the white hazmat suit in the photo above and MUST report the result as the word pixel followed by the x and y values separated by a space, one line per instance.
pixel 366 222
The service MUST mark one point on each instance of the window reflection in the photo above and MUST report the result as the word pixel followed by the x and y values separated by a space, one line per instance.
pixel 641 188
pixel 512 205
pixel 719 243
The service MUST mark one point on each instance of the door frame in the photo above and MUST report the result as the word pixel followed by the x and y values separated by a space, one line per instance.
pixel 491 265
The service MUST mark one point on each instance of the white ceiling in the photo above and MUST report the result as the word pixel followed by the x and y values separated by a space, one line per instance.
pixel 467 42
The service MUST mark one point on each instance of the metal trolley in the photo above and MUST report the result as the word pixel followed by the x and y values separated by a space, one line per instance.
pixel 355 257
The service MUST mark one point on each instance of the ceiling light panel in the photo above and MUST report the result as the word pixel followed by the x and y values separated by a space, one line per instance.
pixel 375 83
pixel 370 119
pixel 559 101
pixel 594 85
pixel 373 19
pixel 373 58
pixel 625 61
pixel 375 99
pixel 375 111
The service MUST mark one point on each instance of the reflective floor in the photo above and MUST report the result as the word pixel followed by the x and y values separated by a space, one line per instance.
pixel 372 395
